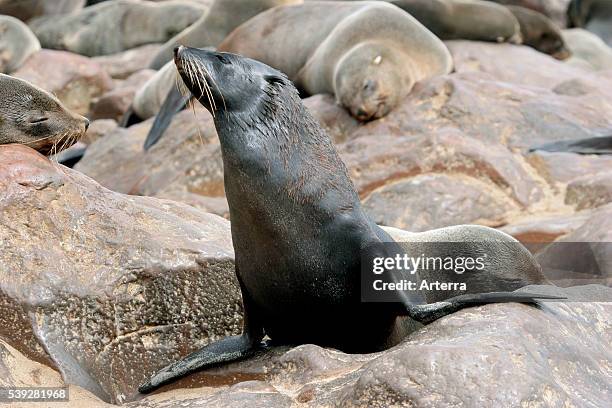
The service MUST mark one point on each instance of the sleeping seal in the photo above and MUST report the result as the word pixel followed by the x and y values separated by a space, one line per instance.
pixel 35 118
pixel 297 224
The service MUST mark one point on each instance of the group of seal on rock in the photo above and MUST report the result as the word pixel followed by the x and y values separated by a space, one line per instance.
pixel 297 224
pixel 112 27
pixel 592 15
pixel 368 54
pixel 17 43
pixel 35 118
pixel 214 25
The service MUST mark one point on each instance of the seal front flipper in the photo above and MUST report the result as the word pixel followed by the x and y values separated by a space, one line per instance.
pixel 433 311
pixel 173 104
pixel 225 350
pixel 591 145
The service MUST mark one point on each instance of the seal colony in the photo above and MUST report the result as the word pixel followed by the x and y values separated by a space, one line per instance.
pixel 297 223
pixel 35 118
pixel 368 54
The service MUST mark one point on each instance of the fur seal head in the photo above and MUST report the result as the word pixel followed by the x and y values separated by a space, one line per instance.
pixel 35 118
pixel 207 75
pixel 367 81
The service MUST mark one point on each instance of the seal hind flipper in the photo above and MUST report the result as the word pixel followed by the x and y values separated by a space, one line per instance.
pixel 225 350
pixel 222 351
pixel 428 313
pixel 173 104
pixel 591 145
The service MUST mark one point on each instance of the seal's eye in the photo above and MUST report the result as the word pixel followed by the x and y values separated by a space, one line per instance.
pixel 222 59
pixel 38 119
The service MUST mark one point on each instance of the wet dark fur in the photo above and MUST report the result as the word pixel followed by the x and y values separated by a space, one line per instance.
pixel 35 118
pixel 297 223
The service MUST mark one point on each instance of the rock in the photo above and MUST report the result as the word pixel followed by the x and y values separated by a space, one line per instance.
pixel 537 232
pixel 96 30
pixel 589 191
pixel 17 43
pixel 126 63
pixel 114 104
pixel 437 200
pixel 587 49
pixel 517 64
pixel 74 79
pixel 112 286
pixel 556 168
pixel 19 371
pixel 370 158
pixel 510 114
pixel 336 121
pixel 98 129
pixel 27 9
pixel 465 358
pixel 584 255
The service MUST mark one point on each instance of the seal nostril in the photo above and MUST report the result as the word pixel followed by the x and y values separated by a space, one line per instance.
pixel 178 50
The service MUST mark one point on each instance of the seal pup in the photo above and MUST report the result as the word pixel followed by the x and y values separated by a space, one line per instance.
pixel 540 32
pixel 17 43
pixel 297 224
pixel 115 26
pixel 35 118
pixel 214 25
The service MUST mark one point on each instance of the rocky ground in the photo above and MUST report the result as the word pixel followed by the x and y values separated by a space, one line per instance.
pixel 117 267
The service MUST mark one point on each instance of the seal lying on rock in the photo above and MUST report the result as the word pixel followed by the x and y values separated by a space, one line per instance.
pixel 297 224
pixel 540 32
pixel 17 43
pixel 464 19
pixel 368 54
pixel 35 118
pixel 115 26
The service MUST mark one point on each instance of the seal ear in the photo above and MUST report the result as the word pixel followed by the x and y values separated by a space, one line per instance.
pixel 274 79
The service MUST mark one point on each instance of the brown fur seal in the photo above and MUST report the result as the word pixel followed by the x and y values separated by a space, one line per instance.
pixel 35 118
pixel 368 54
pixel 115 26
pixel 298 227
pixel 215 24
pixel 464 19
pixel 17 43
pixel 539 32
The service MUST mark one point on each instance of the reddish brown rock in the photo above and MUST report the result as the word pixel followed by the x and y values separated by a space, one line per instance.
pixel 112 286
pixel 584 255
pixel 76 80
pixel 114 104
pixel 561 168
pixel 336 120
pixel 590 191
pixel 496 112
pixel 375 160
pixel 437 200
pixel 98 129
